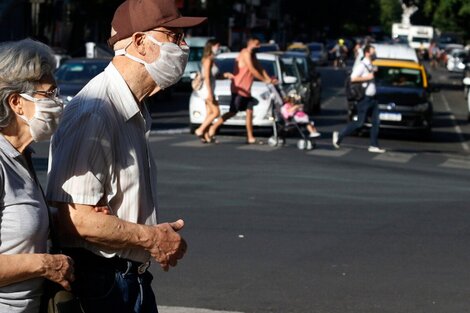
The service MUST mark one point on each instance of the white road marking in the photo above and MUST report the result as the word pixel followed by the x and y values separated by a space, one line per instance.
pixel 395 157
pixel 174 309
pixel 457 128
pixel 457 163
pixel 172 131
pixel 258 147
pixel 330 152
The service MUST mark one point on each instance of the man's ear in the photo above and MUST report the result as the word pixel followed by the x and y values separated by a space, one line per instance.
pixel 138 42
pixel 14 100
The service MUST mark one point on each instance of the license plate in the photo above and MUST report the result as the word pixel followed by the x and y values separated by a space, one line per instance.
pixel 394 117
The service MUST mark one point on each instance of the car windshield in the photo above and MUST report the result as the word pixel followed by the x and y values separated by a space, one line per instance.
pixel 227 65
pixel 302 66
pixel 195 53
pixel 397 76
pixel 289 68
pixel 79 72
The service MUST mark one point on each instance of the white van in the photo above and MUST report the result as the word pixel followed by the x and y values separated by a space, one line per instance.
pixel 420 36
pixel 400 32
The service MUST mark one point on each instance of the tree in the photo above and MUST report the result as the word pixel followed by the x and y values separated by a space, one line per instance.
pixel 390 12
pixel 453 15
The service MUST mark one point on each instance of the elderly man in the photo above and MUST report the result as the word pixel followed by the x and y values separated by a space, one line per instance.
pixel 100 158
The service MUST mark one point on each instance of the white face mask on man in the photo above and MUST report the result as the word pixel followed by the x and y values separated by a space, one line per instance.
pixel 168 68
pixel 46 117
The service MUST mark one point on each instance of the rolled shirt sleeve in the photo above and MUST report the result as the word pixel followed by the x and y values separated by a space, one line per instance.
pixel 81 173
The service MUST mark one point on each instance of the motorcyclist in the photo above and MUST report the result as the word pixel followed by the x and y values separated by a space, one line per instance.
pixel 340 50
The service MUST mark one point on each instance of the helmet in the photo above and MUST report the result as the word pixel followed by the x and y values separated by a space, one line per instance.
pixel 341 41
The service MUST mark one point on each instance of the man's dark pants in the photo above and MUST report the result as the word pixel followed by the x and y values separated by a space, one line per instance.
pixel 111 285
pixel 366 105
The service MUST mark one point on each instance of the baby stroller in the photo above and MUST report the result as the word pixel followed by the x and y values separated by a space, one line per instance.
pixel 283 125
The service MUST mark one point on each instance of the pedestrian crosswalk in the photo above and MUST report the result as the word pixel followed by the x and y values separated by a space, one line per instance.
pixel 448 161
pixel 396 157
pixel 457 163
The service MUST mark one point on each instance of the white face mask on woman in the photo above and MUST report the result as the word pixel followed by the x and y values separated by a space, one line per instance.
pixel 46 117
pixel 168 68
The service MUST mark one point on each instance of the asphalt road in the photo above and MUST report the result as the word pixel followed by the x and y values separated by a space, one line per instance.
pixel 325 231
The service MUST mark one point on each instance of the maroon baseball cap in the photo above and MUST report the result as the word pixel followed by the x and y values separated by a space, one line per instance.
pixel 142 15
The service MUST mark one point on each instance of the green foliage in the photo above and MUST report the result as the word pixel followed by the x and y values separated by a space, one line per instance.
pixel 453 15
pixel 390 12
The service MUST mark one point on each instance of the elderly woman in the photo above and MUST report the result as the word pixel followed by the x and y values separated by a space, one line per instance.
pixel 29 111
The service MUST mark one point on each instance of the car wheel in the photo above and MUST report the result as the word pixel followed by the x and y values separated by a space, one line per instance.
pixel 302 144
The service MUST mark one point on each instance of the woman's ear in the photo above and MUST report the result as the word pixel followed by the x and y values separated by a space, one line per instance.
pixel 16 103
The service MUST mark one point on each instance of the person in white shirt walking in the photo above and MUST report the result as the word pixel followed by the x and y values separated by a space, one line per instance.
pixel 364 73
pixel 100 156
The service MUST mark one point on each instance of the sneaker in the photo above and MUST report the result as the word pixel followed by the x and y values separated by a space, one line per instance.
pixel 376 150
pixel 334 139
pixel 315 135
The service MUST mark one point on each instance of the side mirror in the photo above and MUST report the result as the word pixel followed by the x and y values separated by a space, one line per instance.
pixel 466 81
pixel 290 79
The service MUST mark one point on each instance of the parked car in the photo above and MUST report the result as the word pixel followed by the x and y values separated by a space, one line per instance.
pixel 318 53
pixel 263 111
pixel 75 73
pixel 403 94
pixel 466 83
pixel 456 60
pixel 445 52
pixel 298 47
pixel 310 91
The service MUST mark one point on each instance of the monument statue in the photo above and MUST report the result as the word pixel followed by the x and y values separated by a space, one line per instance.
pixel 409 8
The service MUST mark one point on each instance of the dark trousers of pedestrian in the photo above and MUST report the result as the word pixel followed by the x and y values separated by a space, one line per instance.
pixel 111 285
pixel 368 105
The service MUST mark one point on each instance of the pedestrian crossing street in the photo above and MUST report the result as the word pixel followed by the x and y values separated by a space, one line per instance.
pixel 451 161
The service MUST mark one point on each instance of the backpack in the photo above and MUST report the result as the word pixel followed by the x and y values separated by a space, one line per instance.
pixel 197 82
pixel 355 91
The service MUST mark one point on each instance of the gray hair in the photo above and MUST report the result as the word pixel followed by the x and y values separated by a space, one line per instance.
pixel 22 65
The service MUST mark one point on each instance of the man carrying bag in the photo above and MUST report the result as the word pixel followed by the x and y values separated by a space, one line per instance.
pixel 363 73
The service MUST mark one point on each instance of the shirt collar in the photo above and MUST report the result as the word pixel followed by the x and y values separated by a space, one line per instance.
pixel 120 94
pixel 9 150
